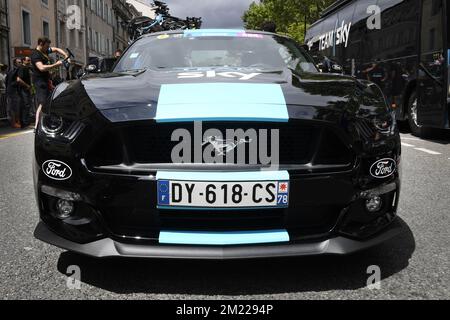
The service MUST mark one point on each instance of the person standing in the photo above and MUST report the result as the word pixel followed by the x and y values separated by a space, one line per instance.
pixel 118 54
pixel 41 66
pixel 25 89
pixel 3 70
pixel 12 94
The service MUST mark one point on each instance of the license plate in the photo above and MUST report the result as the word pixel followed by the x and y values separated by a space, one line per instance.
pixel 201 194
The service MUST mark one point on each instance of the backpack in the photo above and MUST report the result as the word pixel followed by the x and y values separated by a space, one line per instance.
pixel 11 81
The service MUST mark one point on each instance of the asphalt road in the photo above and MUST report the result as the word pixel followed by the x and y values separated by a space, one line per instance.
pixel 414 265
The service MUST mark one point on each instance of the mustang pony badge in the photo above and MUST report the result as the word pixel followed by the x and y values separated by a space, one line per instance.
pixel 222 147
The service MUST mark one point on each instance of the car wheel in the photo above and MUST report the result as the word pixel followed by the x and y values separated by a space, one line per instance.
pixel 416 128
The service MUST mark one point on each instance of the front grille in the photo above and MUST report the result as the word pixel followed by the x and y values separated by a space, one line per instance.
pixel 153 144
pixel 300 143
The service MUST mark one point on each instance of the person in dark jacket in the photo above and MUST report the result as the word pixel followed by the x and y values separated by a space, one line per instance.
pixel 12 94
pixel 25 89
pixel 41 66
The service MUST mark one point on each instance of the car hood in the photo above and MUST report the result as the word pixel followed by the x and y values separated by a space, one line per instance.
pixel 127 90
pixel 217 94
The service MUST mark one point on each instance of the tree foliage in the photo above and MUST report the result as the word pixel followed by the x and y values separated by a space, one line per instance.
pixel 292 17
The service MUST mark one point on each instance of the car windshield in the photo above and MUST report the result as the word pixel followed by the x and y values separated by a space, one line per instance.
pixel 209 49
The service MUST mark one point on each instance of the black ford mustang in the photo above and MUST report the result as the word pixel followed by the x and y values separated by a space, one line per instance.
pixel 216 144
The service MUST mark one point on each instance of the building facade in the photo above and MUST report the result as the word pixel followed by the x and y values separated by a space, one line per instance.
pixel 71 32
pixel 29 20
pixel 89 28
pixel 100 32
pixel 142 7
pixel 4 33
pixel 123 13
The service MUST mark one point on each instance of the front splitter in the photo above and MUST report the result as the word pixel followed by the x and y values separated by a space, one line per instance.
pixel 109 248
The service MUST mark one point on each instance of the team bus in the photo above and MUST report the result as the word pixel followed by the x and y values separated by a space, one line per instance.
pixel 401 45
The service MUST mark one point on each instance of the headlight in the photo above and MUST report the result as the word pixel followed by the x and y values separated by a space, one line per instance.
pixel 56 127
pixel 385 124
pixel 382 124
pixel 52 124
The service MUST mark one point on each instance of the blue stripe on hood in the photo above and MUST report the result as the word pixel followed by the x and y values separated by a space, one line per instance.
pixel 213 32
pixel 221 102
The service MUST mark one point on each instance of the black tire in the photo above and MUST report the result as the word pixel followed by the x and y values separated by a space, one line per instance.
pixel 174 24
pixel 416 129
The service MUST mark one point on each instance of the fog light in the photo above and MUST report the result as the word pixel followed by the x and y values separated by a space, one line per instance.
pixel 65 209
pixel 374 204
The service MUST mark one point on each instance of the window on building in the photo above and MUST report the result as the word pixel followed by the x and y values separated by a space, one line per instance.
pixel 80 39
pixel 26 28
pixel 72 38
pixel 90 37
pixel 46 29
pixel 62 32
pixel 97 42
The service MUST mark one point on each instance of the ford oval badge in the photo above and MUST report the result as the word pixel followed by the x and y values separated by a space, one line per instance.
pixel 57 170
pixel 383 168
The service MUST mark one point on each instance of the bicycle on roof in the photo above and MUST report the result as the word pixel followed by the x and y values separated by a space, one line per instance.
pixel 163 21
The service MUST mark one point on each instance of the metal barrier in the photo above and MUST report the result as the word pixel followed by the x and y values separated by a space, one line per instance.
pixel 3 112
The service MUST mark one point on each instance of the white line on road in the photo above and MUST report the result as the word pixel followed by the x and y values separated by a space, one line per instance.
pixel 407 145
pixel 428 151
pixel 12 135
pixel 413 139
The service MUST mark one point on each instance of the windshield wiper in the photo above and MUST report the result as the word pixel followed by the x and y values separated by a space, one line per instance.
pixel 134 72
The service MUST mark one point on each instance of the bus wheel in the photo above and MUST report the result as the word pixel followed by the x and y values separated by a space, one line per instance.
pixel 416 129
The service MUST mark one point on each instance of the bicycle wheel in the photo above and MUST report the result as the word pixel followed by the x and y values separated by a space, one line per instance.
pixel 174 24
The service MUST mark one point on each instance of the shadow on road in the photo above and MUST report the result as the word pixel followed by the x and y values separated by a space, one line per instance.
pixel 268 276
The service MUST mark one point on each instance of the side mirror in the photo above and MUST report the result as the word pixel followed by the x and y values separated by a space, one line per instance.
pixel 91 68
pixel 321 66
pixel 80 73
pixel 336 68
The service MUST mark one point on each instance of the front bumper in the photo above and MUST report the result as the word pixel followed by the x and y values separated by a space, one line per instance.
pixel 116 213
pixel 109 248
